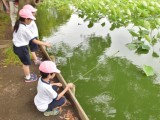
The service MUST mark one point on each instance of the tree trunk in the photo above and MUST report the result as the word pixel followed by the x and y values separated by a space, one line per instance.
pixel 24 2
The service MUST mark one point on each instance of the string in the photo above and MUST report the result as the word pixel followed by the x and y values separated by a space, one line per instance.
pixel 93 68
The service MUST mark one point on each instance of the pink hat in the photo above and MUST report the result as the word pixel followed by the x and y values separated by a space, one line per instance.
pixel 48 67
pixel 24 13
pixel 30 7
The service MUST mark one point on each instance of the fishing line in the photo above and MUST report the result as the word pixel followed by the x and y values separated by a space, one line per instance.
pixel 93 68
pixel 86 73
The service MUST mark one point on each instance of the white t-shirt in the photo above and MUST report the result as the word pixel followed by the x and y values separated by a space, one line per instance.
pixel 22 36
pixel 33 28
pixel 45 95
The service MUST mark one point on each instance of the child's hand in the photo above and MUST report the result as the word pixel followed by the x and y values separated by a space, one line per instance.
pixel 47 44
pixel 59 84
pixel 70 85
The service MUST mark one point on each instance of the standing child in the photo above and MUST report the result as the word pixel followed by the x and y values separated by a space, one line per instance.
pixel 21 37
pixel 33 28
pixel 47 99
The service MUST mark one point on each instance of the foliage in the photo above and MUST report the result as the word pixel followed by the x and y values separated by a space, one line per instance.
pixel 142 14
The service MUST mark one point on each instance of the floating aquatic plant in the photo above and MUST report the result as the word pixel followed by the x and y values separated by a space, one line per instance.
pixel 148 70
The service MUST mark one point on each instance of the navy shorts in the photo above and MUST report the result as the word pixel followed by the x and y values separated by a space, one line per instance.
pixel 33 47
pixel 56 103
pixel 23 54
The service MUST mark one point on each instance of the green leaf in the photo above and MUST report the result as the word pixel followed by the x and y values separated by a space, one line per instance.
pixel 154 41
pixel 144 32
pixel 146 24
pixel 154 54
pixel 90 24
pixel 132 46
pixel 144 4
pixel 113 26
pixel 148 70
pixel 134 34
pixel 151 8
pixel 145 47
pixel 128 12
pixel 103 24
pixel 147 38
pixel 144 14
pixel 141 51
pixel 81 15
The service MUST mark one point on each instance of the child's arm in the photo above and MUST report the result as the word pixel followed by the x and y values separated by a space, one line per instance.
pixel 41 43
pixel 57 84
pixel 69 85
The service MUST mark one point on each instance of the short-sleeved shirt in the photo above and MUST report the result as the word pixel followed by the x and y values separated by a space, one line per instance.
pixel 22 36
pixel 33 28
pixel 45 95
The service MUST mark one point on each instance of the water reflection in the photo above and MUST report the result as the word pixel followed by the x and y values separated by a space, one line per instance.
pixel 102 104
pixel 49 20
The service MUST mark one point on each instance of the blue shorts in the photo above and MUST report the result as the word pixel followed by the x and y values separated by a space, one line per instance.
pixel 33 47
pixel 23 54
pixel 56 103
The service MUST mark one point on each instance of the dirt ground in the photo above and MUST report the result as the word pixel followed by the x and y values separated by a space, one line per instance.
pixel 16 96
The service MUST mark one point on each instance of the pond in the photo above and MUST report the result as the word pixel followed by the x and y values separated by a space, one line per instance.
pixel 109 78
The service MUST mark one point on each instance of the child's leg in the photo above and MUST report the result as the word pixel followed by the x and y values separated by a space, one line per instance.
pixel 29 77
pixel 55 88
pixel 55 106
pixel 23 54
pixel 34 47
pixel 34 56
pixel 57 103
pixel 26 70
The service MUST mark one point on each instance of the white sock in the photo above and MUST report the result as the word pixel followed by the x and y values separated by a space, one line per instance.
pixel 28 77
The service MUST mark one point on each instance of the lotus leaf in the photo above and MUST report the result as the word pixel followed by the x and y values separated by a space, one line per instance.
pixel 148 70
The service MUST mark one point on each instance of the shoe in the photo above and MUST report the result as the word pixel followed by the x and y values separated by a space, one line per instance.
pixel 37 62
pixel 55 111
pixel 32 79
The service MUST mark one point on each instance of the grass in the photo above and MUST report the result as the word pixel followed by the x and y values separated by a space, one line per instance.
pixel 11 58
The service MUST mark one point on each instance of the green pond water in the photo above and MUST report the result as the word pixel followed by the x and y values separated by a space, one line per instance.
pixel 110 82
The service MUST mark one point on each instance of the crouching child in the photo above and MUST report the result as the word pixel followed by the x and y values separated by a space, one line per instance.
pixel 47 99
